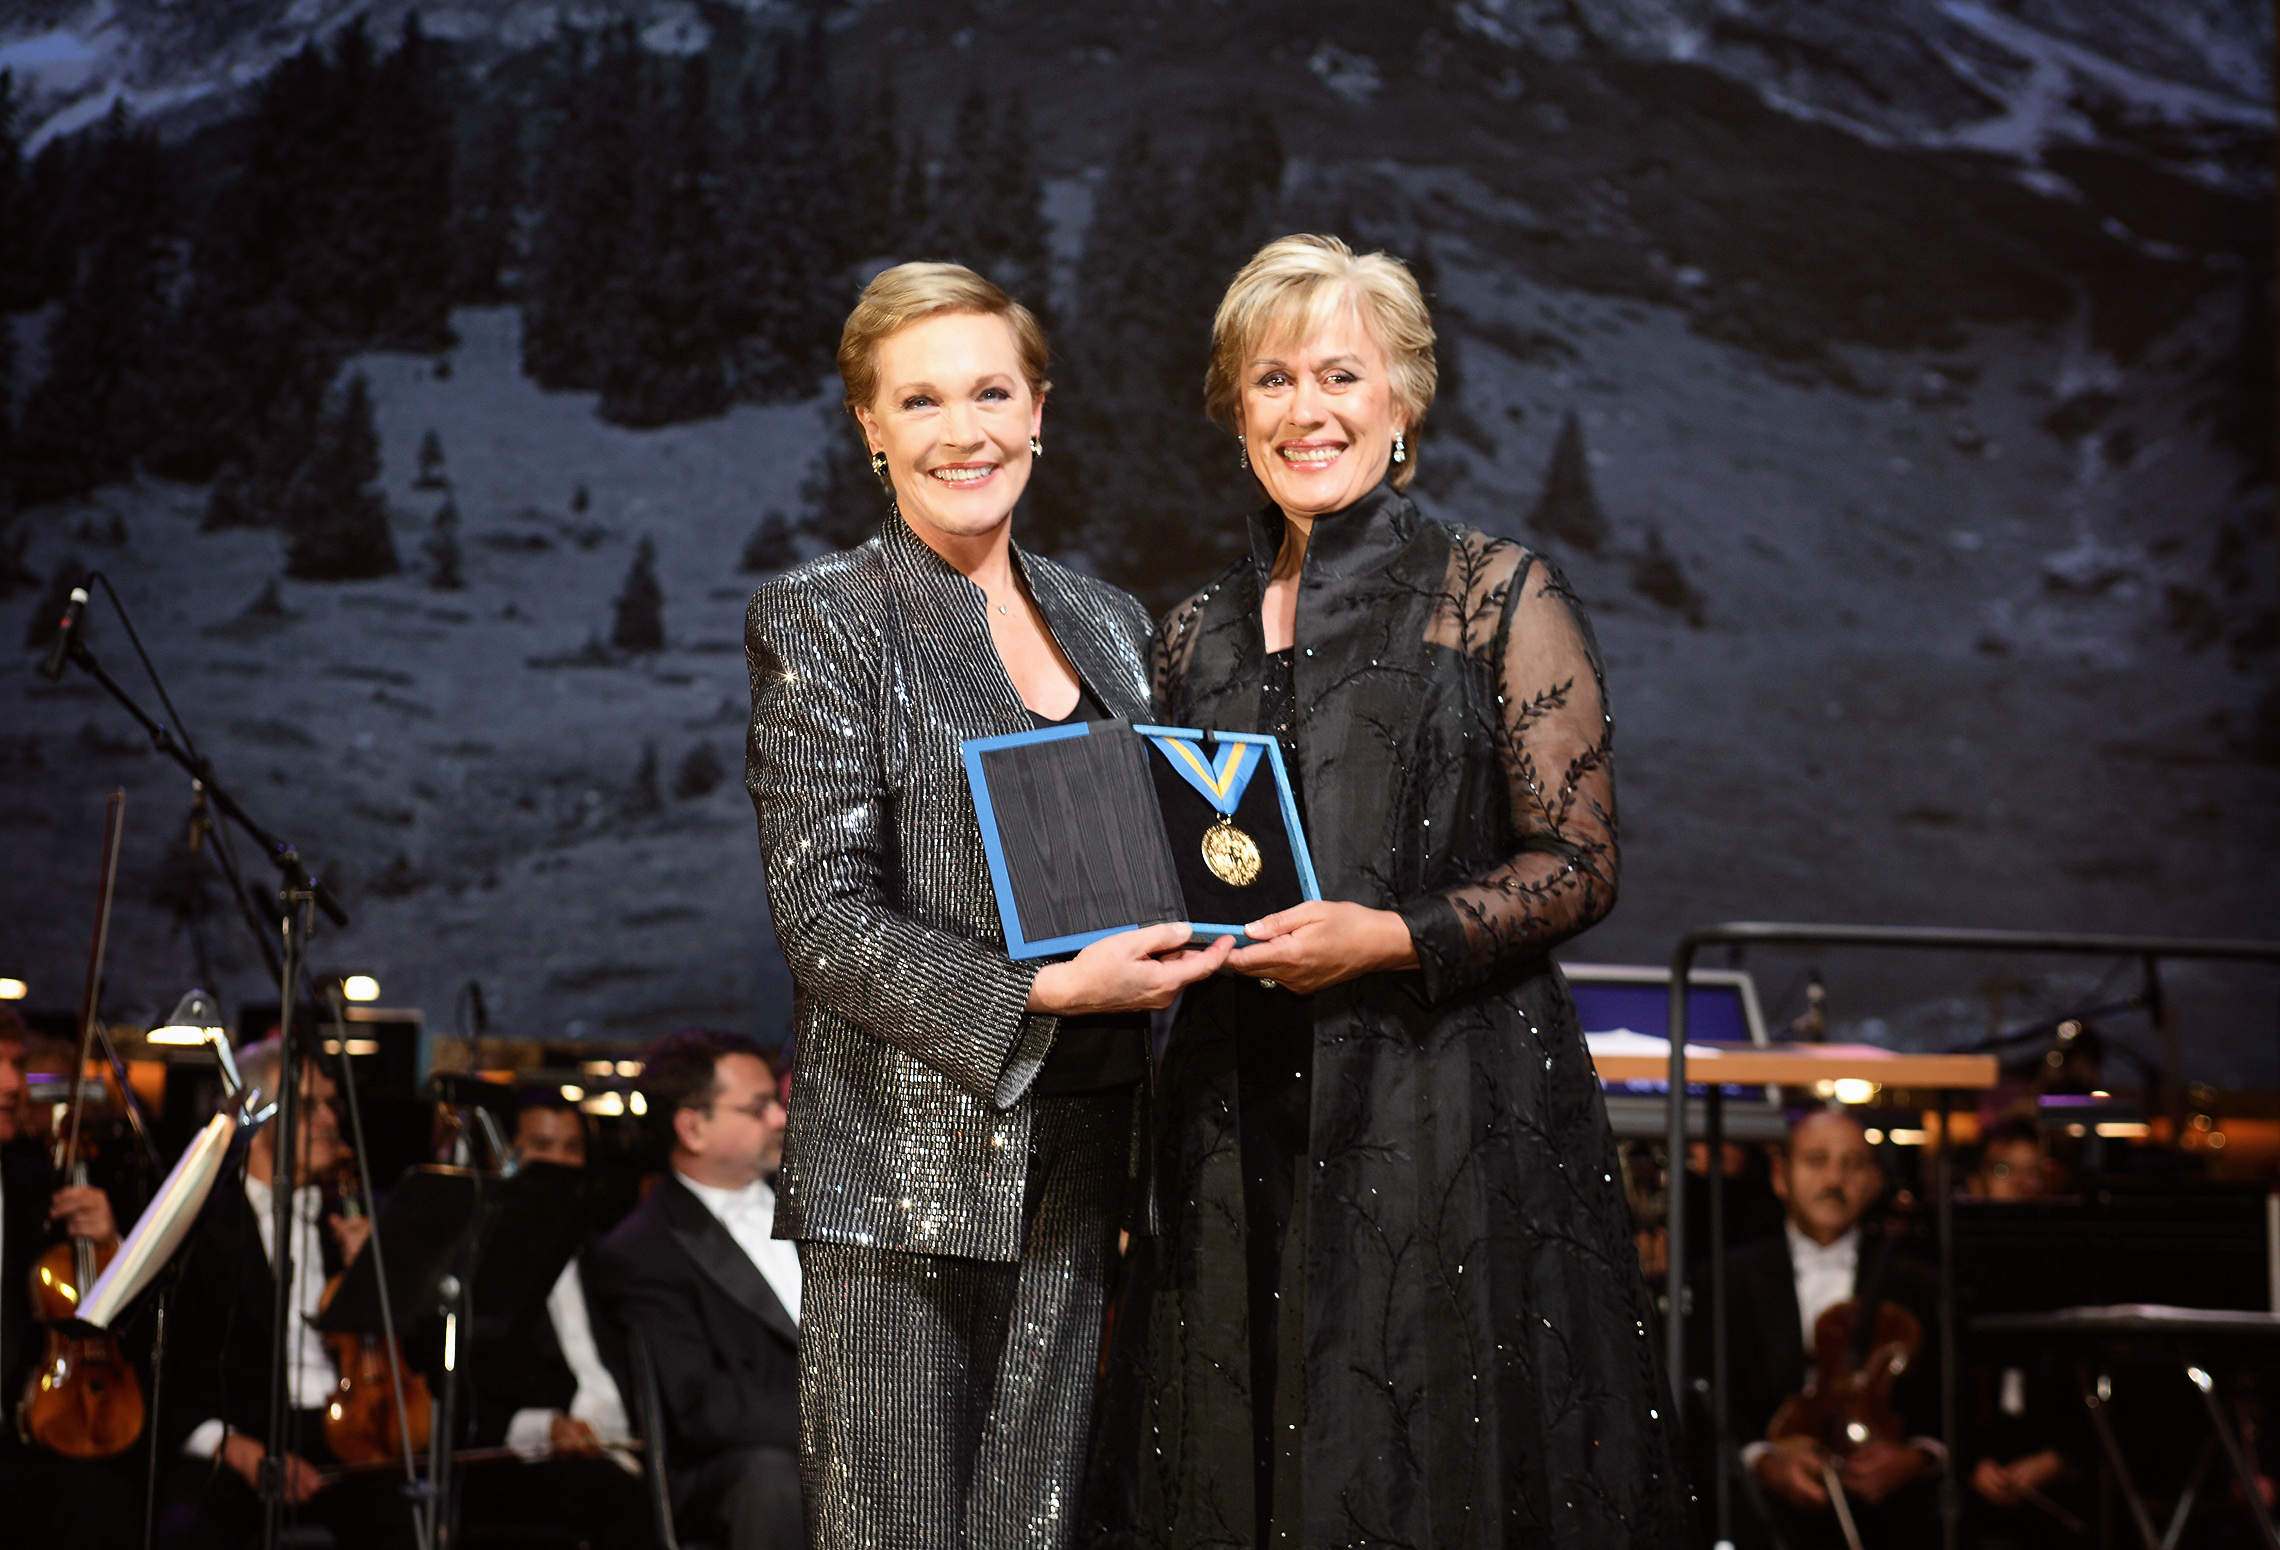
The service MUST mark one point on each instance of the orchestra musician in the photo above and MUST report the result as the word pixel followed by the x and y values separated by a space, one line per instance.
pixel 541 1387
pixel 695 1270
pixel 215 1419
pixel 2029 1425
pixel 48 1499
pixel 1827 1178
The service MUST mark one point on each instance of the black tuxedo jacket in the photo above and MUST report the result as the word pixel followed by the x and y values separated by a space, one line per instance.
pixel 1765 1349
pixel 26 1184
pixel 217 1329
pixel 724 1349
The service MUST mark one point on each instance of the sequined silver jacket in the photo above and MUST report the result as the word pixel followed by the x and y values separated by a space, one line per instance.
pixel 869 668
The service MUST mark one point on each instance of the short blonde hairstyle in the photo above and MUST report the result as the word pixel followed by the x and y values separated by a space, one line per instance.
pixel 900 296
pixel 1291 285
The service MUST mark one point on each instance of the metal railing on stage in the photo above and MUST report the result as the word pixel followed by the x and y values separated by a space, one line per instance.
pixel 2149 950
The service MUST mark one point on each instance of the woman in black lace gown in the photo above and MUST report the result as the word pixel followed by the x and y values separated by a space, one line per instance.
pixel 1393 1299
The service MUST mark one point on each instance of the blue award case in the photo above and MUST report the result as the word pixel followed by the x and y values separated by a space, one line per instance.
pixel 1097 827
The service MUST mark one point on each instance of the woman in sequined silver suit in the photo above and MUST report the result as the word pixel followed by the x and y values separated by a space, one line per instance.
pixel 957 1160
pixel 1393 1300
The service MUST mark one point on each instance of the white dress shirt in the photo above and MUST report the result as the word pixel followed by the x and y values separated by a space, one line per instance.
pixel 1824 1275
pixel 309 1376
pixel 597 1401
pixel 749 1214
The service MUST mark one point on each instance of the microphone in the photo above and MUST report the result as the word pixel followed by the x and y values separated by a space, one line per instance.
pixel 66 631
pixel 200 819
pixel 482 1013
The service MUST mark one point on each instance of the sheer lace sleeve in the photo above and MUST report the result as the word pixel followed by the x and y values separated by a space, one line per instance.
pixel 1173 649
pixel 1514 613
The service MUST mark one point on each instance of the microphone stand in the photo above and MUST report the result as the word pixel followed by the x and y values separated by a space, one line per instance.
pixel 299 896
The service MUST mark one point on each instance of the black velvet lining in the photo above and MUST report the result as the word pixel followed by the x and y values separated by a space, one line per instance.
pixel 1084 846
pixel 1258 813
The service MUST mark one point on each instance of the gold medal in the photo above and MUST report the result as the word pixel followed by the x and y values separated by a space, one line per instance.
pixel 1232 855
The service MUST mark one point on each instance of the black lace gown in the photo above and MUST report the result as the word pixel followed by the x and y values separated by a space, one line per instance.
pixel 1409 1177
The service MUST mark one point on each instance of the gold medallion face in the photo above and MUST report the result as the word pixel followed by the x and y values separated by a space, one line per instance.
pixel 1232 855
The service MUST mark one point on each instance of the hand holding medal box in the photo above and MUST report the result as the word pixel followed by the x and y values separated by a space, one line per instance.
pixel 1098 827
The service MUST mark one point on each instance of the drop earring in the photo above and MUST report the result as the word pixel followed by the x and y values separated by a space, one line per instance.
pixel 1036 447
pixel 1242 453
pixel 1400 448
pixel 879 470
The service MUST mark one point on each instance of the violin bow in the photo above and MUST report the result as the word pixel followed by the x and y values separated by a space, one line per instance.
pixel 334 1473
pixel 114 824
pixel 1841 1503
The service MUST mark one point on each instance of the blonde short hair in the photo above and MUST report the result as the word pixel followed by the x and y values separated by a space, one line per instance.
pixel 1292 284
pixel 899 297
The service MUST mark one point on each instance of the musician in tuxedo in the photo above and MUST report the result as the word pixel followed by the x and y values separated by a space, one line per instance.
pixel 695 1270
pixel 1827 1177
pixel 214 1425
pixel 541 1387
pixel 49 1499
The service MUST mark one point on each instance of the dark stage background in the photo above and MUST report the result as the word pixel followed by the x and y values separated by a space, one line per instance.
pixel 1894 379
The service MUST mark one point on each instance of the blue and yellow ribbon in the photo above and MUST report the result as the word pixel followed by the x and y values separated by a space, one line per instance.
pixel 1223 780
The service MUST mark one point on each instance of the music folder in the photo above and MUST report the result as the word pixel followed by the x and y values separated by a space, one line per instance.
pixel 1097 827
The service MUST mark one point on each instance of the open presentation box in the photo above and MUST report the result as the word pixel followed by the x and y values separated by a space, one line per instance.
pixel 1096 827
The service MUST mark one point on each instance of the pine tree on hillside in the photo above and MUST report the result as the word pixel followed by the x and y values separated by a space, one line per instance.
pixel 588 198
pixel 1568 509
pixel 270 307
pixel 441 549
pixel 18 290
pixel 11 271
pixel 789 241
pixel 336 519
pixel 962 228
pixel 771 547
pixel 485 235
pixel 1017 203
pixel 90 415
pixel 869 173
pixel 914 198
pixel 401 207
pixel 431 475
pixel 638 623
pixel 7 429
pixel 988 208
pixel 1163 244
pixel 662 344
pixel 841 504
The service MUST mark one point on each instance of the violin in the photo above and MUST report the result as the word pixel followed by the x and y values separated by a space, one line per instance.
pixel 1861 1347
pixel 361 1425
pixel 84 1400
pixel 1847 1399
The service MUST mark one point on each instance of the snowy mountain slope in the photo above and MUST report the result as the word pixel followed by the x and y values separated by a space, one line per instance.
pixel 1928 394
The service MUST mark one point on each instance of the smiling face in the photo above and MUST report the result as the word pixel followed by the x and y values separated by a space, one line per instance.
pixel 1318 413
pixel 954 415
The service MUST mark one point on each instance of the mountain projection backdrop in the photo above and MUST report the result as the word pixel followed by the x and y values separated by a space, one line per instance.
pixel 1893 378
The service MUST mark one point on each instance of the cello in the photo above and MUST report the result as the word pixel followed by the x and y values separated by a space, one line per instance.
pixel 83 1400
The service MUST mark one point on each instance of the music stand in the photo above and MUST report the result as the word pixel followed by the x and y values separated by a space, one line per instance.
pixel 158 1236
pixel 427 1218
pixel 535 1230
